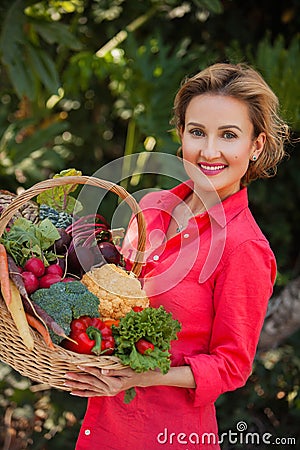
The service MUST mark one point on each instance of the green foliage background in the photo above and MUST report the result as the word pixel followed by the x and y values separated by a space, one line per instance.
pixel 85 82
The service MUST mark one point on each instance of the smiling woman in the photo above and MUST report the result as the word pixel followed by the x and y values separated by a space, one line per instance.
pixel 226 117
pixel 240 82
pixel 219 140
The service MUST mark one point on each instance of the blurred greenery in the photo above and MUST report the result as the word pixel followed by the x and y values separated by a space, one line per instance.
pixel 84 82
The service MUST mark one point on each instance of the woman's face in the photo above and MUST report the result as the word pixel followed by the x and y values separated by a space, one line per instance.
pixel 217 143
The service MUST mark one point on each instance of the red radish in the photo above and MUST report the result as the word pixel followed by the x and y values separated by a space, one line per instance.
pixel 35 265
pixel 30 281
pixel 47 280
pixel 55 269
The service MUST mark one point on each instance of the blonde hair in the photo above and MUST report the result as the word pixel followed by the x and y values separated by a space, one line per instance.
pixel 243 83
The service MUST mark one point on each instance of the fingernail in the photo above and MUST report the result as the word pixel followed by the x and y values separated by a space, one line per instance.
pixel 104 371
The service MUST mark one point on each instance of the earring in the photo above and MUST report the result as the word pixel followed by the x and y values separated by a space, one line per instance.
pixel 254 158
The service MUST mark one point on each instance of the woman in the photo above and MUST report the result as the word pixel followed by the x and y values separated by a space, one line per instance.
pixel 211 267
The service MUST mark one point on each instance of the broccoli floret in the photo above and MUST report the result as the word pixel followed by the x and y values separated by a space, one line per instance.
pixel 86 305
pixel 76 287
pixel 65 302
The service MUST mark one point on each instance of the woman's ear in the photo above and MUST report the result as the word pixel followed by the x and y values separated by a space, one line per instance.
pixel 258 146
pixel 180 132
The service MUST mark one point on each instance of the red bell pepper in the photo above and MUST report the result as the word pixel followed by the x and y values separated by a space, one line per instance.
pixel 92 336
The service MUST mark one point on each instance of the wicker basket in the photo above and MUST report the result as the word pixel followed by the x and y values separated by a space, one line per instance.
pixel 42 364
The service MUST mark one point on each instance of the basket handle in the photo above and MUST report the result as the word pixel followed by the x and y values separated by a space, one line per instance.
pixel 36 189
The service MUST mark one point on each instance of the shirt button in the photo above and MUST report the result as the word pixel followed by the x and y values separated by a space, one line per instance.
pixel 87 432
pixel 155 258
pixel 186 235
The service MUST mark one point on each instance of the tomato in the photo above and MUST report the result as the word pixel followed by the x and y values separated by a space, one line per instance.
pixel 143 346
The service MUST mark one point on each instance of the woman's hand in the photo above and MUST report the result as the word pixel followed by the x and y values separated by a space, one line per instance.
pixel 94 382
pixel 102 382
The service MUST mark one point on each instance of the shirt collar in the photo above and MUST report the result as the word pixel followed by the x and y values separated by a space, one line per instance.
pixel 222 212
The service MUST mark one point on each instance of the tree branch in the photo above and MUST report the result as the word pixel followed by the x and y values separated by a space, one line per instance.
pixel 283 317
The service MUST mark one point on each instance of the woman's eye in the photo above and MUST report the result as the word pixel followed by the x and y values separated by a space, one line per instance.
pixel 197 132
pixel 229 135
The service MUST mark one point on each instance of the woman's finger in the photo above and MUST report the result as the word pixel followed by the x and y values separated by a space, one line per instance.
pixel 117 373
pixel 87 383
pixel 106 372
pixel 94 371
pixel 84 382
pixel 87 393
pixel 81 378
pixel 93 381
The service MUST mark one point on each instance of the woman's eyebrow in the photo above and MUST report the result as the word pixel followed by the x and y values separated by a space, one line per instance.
pixel 222 127
pixel 196 124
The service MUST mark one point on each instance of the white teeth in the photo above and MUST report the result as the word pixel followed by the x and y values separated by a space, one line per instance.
pixel 212 168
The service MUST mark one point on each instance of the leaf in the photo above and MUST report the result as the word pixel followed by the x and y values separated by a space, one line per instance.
pixel 48 234
pixel 25 239
pixel 40 138
pixel 279 65
pixel 69 173
pixel 156 326
pixel 21 78
pixel 44 68
pixel 129 395
pixel 142 363
pixel 214 6
pixel 56 32
pixel 12 32
pixel 58 197
pixel 12 48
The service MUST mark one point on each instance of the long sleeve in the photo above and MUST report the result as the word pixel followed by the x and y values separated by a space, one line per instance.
pixel 241 293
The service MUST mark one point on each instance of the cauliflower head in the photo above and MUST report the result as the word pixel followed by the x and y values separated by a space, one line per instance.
pixel 117 290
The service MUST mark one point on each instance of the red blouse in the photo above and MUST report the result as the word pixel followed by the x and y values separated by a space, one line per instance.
pixel 216 278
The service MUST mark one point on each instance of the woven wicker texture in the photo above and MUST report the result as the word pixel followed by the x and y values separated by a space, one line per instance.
pixel 29 210
pixel 44 365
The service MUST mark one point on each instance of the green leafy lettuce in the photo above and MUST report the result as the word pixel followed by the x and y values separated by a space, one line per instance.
pixel 156 326
pixel 59 197
pixel 25 239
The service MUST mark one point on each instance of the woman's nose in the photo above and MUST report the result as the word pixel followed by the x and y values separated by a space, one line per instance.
pixel 209 149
